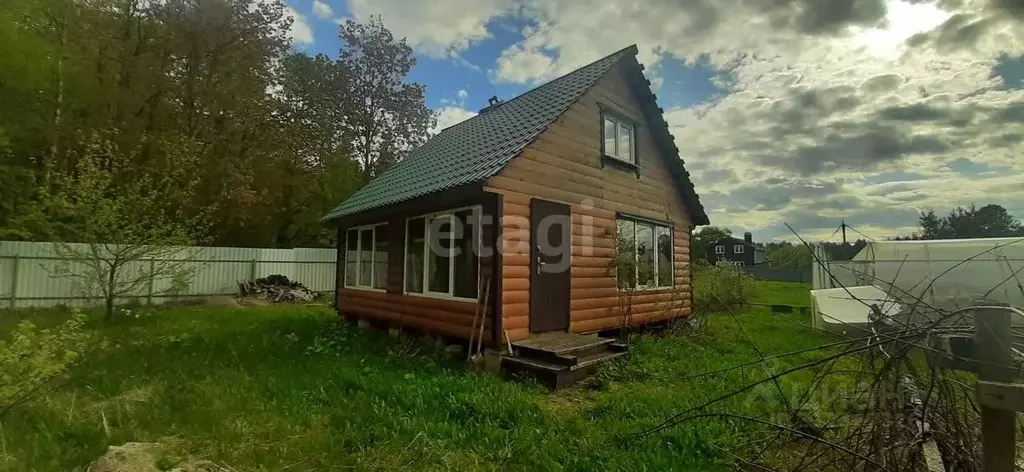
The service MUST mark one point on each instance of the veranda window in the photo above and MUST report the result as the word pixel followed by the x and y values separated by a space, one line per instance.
pixel 442 257
pixel 366 257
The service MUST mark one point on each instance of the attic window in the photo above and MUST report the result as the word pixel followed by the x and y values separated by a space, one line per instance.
pixel 619 139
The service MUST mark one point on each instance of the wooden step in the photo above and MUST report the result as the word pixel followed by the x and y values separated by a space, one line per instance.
pixel 561 348
pixel 555 375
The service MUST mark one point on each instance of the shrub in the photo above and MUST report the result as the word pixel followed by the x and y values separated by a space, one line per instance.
pixel 32 359
pixel 720 288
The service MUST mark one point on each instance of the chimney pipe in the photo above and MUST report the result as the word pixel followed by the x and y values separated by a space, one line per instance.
pixel 748 238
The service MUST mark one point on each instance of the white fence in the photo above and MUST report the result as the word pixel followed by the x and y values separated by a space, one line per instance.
pixel 26 275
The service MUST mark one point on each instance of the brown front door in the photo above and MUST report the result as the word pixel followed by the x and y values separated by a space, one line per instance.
pixel 550 254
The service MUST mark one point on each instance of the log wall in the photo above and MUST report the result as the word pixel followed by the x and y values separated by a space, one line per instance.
pixel 564 164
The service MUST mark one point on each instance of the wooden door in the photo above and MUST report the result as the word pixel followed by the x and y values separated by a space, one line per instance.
pixel 550 254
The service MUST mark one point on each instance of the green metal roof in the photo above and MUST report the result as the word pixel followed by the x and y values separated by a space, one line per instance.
pixel 480 147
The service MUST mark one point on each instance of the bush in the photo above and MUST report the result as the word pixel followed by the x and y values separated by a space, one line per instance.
pixel 720 288
pixel 32 359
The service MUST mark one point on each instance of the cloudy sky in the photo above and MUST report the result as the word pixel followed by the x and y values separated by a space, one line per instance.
pixel 785 111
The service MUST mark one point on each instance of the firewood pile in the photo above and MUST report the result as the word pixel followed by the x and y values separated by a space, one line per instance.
pixel 276 288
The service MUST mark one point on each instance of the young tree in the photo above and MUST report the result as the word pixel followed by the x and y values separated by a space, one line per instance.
pixel 387 116
pixel 118 234
pixel 790 256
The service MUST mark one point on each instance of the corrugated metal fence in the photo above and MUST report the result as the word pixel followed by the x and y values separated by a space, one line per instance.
pixel 780 274
pixel 27 279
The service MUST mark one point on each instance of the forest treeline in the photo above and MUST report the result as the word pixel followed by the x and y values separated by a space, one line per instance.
pixel 195 117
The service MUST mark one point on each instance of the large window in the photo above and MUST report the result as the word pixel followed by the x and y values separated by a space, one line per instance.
pixel 366 257
pixel 647 251
pixel 737 249
pixel 441 253
pixel 618 139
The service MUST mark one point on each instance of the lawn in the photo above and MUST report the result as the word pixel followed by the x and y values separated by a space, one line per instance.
pixel 291 387
pixel 783 293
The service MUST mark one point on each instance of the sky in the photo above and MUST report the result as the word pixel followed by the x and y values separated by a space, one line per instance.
pixel 798 112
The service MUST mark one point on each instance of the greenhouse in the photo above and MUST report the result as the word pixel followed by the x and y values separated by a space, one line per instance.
pixel 941 274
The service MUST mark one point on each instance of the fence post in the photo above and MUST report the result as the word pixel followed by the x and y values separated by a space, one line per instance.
pixel 992 339
pixel 14 281
pixel 252 270
pixel 149 289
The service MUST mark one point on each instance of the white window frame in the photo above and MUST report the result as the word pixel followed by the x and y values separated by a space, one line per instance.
pixel 359 254
pixel 619 123
pixel 737 249
pixel 636 257
pixel 720 249
pixel 478 210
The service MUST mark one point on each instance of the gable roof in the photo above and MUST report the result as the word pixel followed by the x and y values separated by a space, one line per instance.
pixel 479 148
pixel 735 240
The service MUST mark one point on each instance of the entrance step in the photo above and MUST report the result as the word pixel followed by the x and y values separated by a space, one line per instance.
pixel 561 359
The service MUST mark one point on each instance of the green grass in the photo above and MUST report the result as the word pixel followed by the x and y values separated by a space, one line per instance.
pixel 276 387
pixel 783 293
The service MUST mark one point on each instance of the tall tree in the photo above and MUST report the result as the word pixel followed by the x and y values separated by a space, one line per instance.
pixel 273 138
pixel 989 221
pixel 387 115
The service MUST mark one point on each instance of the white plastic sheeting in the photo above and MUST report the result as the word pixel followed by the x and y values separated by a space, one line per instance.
pixel 848 309
pixel 942 273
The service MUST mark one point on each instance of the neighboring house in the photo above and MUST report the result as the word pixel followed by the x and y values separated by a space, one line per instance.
pixel 741 252
pixel 575 161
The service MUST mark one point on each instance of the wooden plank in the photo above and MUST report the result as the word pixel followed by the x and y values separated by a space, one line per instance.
pixel 461 306
pixel 451 317
pixel 517 334
pixel 513 310
pixel 584 261
pixel 586 250
pixel 590 272
pixel 588 293
pixel 515 271
pixel 993 339
pixel 1001 395
pixel 643 299
pixel 517 323
pixel 510 296
pixel 515 284
pixel 512 260
pixel 592 282
pixel 638 309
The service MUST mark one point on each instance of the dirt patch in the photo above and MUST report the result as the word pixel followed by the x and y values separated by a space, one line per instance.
pixel 222 301
pixel 148 457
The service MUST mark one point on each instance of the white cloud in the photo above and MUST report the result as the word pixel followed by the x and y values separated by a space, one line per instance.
pixel 819 106
pixel 812 98
pixel 450 115
pixel 300 31
pixel 322 10
pixel 439 28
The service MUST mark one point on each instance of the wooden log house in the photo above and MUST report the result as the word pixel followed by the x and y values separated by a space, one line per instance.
pixel 529 196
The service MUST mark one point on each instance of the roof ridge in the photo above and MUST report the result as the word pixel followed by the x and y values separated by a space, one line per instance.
pixel 632 48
